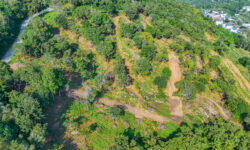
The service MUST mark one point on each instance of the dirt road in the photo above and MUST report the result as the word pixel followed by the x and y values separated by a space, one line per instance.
pixel 175 102
pixel 139 112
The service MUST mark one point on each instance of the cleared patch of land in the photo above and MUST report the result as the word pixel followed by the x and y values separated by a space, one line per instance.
pixel 137 112
pixel 175 102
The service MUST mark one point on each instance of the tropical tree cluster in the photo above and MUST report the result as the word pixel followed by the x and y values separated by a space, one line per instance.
pixel 25 94
pixel 215 134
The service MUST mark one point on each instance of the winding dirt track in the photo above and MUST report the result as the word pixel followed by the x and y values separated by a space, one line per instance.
pixel 138 112
pixel 174 101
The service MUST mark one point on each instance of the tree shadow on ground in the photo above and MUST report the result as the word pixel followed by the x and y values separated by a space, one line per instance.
pixel 56 129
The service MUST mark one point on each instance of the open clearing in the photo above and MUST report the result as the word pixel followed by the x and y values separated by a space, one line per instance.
pixel 175 102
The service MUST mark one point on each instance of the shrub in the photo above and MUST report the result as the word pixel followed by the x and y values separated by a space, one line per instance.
pixel 177 47
pixel 151 30
pixel 200 86
pixel 215 62
pixel 131 11
pixel 128 30
pixel 166 72
pixel 162 56
pixel 245 61
pixel 121 71
pixel 138 41
pixel 148 51
pixel 61 20
pixel 143 66
pixel 160 81
pixel 107 48
pixel 84 64
pixel 116 112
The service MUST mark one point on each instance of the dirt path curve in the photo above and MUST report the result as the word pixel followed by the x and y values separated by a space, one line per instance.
pixel 224 113
pixel 138 112
pixel 175 102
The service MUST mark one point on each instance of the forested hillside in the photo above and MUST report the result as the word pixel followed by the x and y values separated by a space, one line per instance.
pixel 12 12
pixel 119 75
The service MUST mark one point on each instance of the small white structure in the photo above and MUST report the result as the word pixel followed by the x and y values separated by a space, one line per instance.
pixel 247 8
pixel 218 22
pixel 235 30
pixel 228 26
pixel 247 25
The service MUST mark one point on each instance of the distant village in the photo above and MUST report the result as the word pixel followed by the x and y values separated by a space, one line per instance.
pixel 228 22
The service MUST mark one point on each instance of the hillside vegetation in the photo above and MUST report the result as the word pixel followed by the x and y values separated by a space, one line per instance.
pixel 132 74
pixel 12 12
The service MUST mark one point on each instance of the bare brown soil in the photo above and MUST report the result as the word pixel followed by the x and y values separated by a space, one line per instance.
pixel 15 66
pixel 175 102
pixel 56 131
pixel 209 37
pixel 138 112
pixel 199 62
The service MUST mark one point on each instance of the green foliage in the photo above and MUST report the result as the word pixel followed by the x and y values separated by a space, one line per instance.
pixel 186 89
pixel 61 20
pixel 215 62
pixel 244 61
pixel 121 71
pixel 81 12
pixel 128 30
pixel 162 56
pixel 25 93
pixel 148 51
pixel 35 38
pixel 241 42
pixel 137 39
pixel 166 72
pixel 96 27
pixel 27 111
pixel 237 105
pixel 52 79
pixel 216 134
pixel 143 39
pixel 116 112
pixel 11 15
pixel 131 11
pixel 161 81
pixel 84 64
pixel 38 135
pixel 107 48
pixel 143 66
pixel 151 30
pixel 6 131
pixel 5 72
